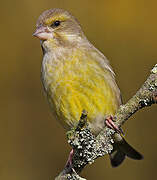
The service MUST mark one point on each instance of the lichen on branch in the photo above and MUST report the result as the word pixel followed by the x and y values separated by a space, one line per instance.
pixel 87 147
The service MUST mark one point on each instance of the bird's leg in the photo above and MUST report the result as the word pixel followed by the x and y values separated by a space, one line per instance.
pixel 109 122
pixel 69 161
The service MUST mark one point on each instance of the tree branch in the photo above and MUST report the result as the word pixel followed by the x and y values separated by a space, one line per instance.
pixel 87 147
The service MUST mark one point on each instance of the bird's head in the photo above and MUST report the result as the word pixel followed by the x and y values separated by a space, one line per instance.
pixel 58 28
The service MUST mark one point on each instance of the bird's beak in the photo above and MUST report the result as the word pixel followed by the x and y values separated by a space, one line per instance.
pixel 43 33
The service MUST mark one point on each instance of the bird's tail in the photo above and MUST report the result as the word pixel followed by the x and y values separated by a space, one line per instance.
pixel 121 149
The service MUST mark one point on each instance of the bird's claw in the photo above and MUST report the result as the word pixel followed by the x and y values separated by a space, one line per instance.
pixel 109 122
pixel 69 161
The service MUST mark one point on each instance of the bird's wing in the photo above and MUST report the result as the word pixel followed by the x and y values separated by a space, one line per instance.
pixel 110 76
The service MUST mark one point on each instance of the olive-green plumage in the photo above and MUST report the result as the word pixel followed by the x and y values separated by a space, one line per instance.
pixel 77 76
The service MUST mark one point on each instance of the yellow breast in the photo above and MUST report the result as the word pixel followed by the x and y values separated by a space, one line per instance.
pixel 79 83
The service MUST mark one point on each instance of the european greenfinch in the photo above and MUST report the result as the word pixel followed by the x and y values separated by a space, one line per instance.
pixel 76 76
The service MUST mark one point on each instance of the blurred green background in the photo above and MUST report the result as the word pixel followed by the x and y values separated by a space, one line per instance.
pixel 33 145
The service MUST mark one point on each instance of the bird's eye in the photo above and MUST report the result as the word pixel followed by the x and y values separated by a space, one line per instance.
pixel 56 24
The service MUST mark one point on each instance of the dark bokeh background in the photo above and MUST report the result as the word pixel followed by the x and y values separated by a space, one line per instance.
pixel 32 144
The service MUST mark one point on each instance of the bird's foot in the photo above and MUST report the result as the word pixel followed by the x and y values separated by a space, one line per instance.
pixel 109 122
pixel 69 161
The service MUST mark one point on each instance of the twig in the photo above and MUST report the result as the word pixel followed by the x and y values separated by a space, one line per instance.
pixel 87 147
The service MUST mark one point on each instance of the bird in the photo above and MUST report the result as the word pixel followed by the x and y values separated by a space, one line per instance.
pixel 76 76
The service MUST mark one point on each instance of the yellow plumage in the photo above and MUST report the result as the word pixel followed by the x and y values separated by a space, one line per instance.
pixel 78 82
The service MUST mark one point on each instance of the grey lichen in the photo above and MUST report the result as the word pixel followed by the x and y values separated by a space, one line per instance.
pixel 154 70
pixel 145 102
pixel 69 176
pixel 87 147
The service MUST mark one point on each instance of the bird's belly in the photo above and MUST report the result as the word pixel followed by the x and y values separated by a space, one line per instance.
pixel 75 90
